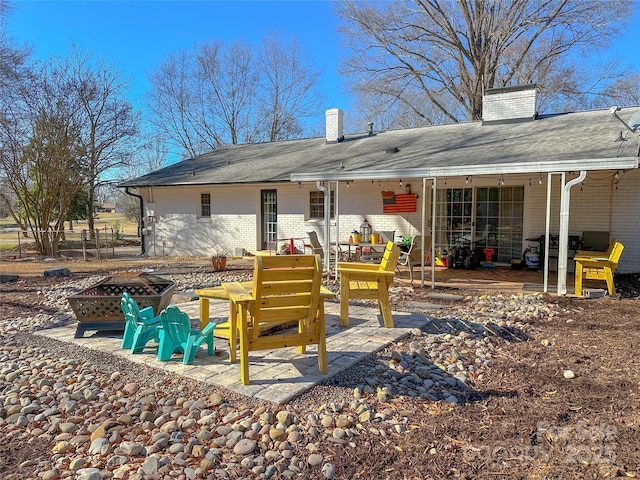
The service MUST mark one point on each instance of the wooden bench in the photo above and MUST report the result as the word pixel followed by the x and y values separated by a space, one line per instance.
pixel 593 267
pixel 368 281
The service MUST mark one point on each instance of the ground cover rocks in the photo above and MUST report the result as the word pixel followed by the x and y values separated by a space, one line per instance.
pixel 99 419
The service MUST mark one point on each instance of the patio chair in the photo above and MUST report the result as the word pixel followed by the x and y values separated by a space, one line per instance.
pixel 415 254
pixel 368 281
pixel 140 326
pixel 317 248
pixel 388 235
pixel 598 268
pixel 285 289
pixel 176 335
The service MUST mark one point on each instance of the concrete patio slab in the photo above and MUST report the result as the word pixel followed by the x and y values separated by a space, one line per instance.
pixel 275 375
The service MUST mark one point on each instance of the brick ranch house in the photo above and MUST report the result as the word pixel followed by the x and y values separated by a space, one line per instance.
pixel 508 179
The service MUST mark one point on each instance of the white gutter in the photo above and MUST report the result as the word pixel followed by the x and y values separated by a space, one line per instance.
pixel 563 237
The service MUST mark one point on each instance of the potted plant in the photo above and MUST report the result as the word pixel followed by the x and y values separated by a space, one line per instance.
pixel 219 260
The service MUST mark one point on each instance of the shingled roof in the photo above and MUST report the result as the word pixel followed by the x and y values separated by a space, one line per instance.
pixel 587 140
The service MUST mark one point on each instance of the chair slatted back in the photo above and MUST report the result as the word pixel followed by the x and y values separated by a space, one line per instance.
pixel 175 323
pixel 316 247
pixel 285 288
pixel 416 252
pixel 390 257
pixel 616 252
pixel 130 308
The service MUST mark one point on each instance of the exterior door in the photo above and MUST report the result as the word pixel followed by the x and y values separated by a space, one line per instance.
pixel 269 221
pixel 499 221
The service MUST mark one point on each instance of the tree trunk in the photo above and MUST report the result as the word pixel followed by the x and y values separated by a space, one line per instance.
pixel 90 218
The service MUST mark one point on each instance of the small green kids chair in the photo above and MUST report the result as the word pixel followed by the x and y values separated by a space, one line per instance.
pixel 141 326
pixel 176 334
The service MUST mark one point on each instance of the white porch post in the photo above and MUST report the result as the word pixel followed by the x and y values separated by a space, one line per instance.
pixel 563 236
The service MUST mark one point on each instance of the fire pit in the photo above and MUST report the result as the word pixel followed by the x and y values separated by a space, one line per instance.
pixel 98 306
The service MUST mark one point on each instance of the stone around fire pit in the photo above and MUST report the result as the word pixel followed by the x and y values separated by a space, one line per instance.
pixel 98 306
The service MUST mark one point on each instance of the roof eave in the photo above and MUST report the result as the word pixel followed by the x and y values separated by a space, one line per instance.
pixel 616 163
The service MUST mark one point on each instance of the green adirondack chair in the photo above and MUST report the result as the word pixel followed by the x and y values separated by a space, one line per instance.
pixel 176 334
pixel 141 326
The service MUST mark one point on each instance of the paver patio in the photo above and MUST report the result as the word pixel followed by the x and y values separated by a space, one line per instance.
pixel 276 375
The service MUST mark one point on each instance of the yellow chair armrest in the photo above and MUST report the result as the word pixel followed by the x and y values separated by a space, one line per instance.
pixel 237 293
pixel 358 266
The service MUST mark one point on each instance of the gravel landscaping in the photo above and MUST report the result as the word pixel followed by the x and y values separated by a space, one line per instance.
pixel 509 384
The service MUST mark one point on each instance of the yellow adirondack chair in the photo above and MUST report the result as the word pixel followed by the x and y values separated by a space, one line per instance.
pixel 368 281
pixel 286 288
pixel 592 267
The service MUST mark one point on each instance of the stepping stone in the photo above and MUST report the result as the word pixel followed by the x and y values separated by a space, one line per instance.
pixel 57 272
pixel 424 305
pixel 593 292
pixel 445 296
pixel 184 297
pixel 8 277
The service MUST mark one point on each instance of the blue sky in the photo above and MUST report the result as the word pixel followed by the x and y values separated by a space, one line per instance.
pixel 138 35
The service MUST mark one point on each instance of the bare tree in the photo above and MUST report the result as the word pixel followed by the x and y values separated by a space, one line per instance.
pixel 221 94
pixel 434 58
pixel 177 112
pixel 624 92
pixel 12 62
pixel 287 88
pixel 11 56
pixel 228 84
pixel 42 152
pixel 109 124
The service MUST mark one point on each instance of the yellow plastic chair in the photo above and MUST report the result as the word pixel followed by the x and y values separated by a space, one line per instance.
pixel 286 289
pixel 368 281
pixel 598 268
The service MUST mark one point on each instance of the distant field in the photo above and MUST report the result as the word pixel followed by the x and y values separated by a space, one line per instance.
pixel 9 230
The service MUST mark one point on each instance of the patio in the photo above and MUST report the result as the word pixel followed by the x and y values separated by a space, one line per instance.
pixel 278 375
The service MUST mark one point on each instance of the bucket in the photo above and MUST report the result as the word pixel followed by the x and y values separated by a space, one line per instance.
pixel 375 238
pixel 532 259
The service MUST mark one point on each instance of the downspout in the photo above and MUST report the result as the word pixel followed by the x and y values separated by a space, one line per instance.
pixel 563 239
pixel 327 219
pixel 140 225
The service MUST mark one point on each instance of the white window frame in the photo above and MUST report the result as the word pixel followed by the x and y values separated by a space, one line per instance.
pixel 202 205
pixel 320 194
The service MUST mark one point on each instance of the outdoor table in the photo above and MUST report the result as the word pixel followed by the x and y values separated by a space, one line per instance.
pixel 228 329
pixel 359 249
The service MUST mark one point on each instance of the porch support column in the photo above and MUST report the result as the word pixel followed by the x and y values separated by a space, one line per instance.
pixel 337 214
pixel 545 267
pixel 433 236
pixel 563 237
pixel 327 218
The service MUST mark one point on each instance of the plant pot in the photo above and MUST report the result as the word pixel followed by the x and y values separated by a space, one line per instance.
pixel 218 263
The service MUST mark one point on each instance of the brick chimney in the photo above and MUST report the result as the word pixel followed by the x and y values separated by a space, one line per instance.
pixel 334 118
pixel 509 104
